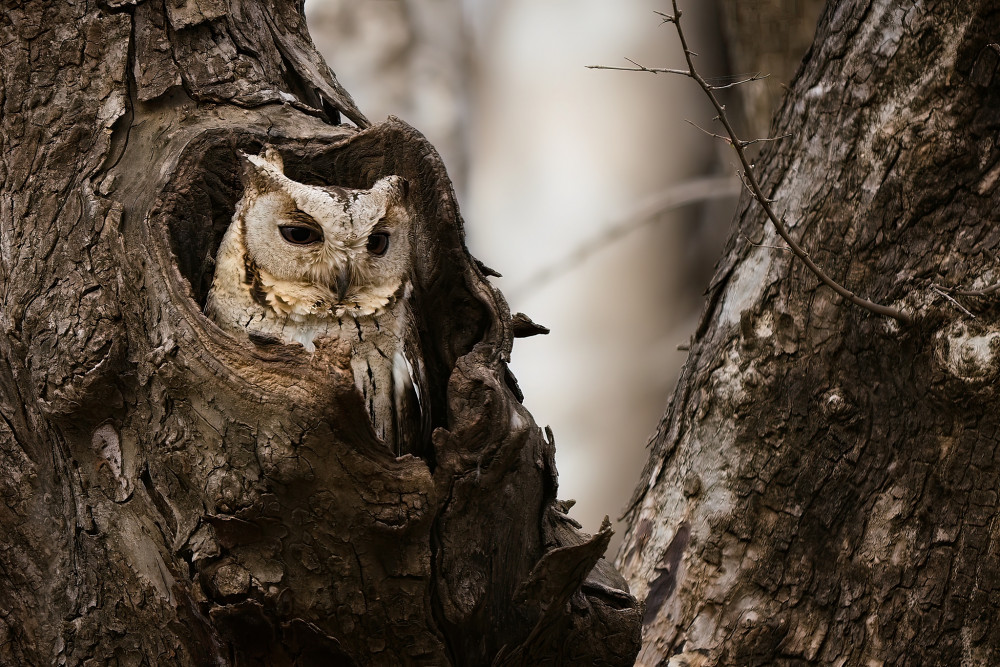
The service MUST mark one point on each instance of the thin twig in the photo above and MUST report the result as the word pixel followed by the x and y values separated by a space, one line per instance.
pixel 889 311
pixel 756 77
pixel 986 291
pixel 761 245
pixel 751 142
pixel 754 184
pixel 653 70
pixel 638 67
pixel 937 288
pixel 711 134
pixel 674 197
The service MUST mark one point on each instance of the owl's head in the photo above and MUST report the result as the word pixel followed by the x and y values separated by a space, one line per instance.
pixel 323 250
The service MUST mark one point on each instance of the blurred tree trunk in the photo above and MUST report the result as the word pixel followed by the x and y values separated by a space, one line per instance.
pixel 172 497
pixel 769 37
pixel 823 487
pixel 408 58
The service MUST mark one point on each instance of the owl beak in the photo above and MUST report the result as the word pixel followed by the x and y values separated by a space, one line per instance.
pixel 343 283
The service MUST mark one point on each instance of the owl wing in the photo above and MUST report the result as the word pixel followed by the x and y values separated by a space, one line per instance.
pixel 410 404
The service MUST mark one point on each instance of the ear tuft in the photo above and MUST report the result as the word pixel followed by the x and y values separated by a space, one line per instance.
pixel 396 188
pixel 271 155
pixel 261 172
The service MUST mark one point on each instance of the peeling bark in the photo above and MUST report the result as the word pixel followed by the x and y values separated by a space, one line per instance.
pixel 823 487
pixel 172 497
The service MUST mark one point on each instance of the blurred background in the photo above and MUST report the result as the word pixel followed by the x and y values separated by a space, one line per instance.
pixel 569 181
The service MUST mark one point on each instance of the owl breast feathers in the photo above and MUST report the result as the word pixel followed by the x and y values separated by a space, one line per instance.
pixel 303 262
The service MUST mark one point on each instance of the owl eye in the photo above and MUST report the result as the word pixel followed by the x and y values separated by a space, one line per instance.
pixel 378 243
pixel 299 235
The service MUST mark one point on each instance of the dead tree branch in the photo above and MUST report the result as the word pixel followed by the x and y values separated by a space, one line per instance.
pixel 674 197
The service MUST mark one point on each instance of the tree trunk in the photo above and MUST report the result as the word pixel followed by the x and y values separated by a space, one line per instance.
pixel 824 485
pixel 767 37
pixel 173 497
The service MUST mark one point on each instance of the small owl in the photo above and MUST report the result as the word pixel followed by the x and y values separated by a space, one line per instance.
pixel 302 262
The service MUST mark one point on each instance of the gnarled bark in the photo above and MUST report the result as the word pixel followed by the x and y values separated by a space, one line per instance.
pixel 824 485
pixel 173 497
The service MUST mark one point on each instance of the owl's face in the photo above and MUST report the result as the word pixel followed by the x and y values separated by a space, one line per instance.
pixel 325 251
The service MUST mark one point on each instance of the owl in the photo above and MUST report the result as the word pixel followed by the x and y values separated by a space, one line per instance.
pixel 302 262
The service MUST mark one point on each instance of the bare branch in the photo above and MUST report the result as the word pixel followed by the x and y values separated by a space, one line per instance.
pixel 674 197
pixel 939 290
pixel 761 245
pixel 642 68
pixel 758 193
pixel 746 184
pixel 711 134
pixel 748 178
pixel 986 291
pixel 756 77
pixel 750 142
pixel 743 180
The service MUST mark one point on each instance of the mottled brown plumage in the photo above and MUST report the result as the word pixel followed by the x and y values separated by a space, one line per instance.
pixel 300 263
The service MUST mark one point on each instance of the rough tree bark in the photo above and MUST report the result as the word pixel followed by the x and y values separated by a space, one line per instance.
pixel 824 485
pixel 172 497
